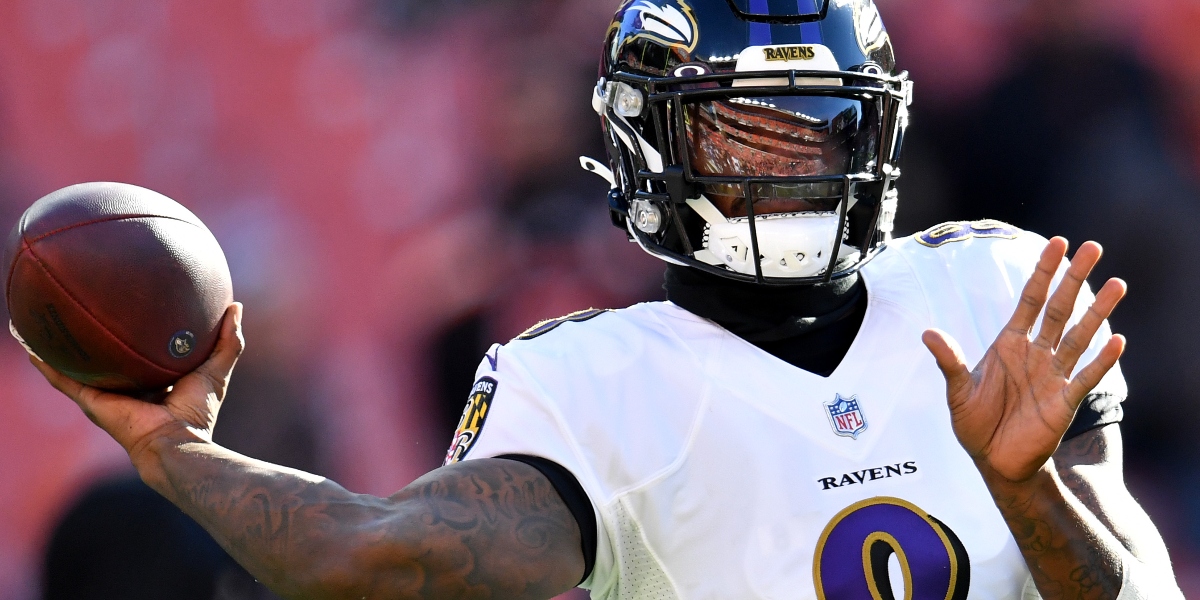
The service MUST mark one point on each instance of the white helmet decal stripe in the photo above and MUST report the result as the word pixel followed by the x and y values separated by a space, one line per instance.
pixel 669 23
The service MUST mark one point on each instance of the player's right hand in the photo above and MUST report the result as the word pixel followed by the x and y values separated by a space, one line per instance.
pixel 190 408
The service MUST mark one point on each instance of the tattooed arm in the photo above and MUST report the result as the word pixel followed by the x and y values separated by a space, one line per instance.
pixel 488 528
pixel 482 529
pixel 1076 523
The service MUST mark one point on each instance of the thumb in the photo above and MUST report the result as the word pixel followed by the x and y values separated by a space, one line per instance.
pixel 216 370
pixel 950 360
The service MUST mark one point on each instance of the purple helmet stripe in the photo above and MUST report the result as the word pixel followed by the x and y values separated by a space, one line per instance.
pixel 760 33
pixel 811 33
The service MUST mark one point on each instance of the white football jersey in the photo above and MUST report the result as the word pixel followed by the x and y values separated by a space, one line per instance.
pixel 719 471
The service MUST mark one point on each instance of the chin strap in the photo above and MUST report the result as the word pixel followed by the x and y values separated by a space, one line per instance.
pixel 703 207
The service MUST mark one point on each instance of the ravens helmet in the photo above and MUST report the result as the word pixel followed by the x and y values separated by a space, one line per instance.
pixel 753 139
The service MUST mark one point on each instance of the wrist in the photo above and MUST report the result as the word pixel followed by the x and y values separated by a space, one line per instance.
pixel 1045 477
pixel 151 454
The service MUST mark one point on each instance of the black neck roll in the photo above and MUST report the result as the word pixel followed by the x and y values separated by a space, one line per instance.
pixel 809 326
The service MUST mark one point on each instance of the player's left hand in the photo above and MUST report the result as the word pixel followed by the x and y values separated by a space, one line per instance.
pixel 1012 410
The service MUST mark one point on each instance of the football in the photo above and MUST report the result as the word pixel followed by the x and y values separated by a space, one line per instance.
pixel 117 286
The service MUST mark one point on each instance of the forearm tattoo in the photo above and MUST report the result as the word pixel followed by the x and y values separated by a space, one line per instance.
pixel 479 529
pixel 1069 554
pixel 1065 558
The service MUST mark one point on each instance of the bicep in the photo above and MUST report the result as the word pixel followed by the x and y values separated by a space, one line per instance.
pixel 1091 466
pixel 488 528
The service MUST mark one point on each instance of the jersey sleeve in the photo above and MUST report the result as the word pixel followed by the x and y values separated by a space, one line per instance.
pixel 972 276
pixel 1096 411
pixel 509 416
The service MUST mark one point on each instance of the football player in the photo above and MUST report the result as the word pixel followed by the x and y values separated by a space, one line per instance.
pixel 778 428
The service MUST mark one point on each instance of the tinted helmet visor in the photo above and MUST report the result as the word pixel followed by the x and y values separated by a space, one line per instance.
pixel 780 137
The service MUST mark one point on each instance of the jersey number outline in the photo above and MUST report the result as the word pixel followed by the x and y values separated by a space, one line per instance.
pixel 549 325
pixel 961 231
pixel 851 559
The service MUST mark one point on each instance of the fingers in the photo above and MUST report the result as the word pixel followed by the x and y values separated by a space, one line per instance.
pixel 216 370
pixel 1033 297
pixel 82 395
pixel 950 360
pixel 1080 336
pixel 69 387
pixel 1090 376
pixel 1062 303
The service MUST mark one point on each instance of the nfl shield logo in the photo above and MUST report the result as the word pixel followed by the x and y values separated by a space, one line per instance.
pixel 845 416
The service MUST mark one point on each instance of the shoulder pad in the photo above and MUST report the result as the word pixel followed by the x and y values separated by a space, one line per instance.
pixel 549 325
pixel 959 231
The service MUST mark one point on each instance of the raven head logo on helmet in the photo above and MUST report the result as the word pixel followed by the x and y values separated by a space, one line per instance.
pixel 671 23
pixel 752 143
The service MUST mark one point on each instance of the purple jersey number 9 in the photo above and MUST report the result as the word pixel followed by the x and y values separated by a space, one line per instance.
pixel 851 559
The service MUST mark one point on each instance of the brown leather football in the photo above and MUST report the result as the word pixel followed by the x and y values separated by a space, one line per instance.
pixel 116 286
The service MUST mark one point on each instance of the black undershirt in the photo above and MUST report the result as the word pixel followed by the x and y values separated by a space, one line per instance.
pixel 808 327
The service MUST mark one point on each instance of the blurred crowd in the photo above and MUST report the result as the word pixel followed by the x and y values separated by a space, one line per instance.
pixel 396 185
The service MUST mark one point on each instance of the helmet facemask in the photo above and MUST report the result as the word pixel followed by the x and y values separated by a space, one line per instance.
pixel 760 172
pixel 756 146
